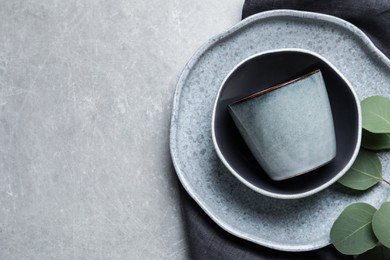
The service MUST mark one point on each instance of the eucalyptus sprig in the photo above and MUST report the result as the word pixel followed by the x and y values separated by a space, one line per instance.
pixel 361 229
pixel 365 172
pixel 376 114
pixel 376 123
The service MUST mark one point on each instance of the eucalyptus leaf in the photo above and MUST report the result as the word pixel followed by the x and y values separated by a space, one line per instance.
pixel 352 233
pixel 374 141
pixel 377 253
pixel 381 224
pixel 376 114
pixel 365 172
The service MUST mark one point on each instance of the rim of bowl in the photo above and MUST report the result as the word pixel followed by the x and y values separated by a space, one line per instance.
pixel 324 185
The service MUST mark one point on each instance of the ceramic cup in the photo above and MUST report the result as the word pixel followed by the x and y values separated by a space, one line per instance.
pixel 288 127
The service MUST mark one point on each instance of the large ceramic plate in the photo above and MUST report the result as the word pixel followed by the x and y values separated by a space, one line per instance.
pixel 289 225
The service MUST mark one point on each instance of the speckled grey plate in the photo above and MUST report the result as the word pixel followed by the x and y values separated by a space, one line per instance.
pixel 289 225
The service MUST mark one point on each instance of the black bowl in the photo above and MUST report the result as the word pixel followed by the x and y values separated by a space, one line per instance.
pixel 267 69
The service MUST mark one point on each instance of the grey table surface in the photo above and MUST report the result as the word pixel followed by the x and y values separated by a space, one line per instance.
pixel 86 91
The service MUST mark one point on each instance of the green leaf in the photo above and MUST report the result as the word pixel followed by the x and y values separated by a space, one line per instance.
pixel 376 114
pixel 381 224
pixel 373 141
pixel 377 253
pixel 352 233
pixel 365 172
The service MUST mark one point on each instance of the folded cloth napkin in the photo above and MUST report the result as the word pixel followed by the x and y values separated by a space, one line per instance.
pixel 206 239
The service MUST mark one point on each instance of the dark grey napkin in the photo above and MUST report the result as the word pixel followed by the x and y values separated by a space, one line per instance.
pixel 206 239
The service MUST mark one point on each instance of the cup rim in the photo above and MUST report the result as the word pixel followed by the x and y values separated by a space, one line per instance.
pixel 320 187
pixel 275 87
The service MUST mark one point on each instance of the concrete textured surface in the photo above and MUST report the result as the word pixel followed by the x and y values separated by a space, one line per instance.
pixel 86 92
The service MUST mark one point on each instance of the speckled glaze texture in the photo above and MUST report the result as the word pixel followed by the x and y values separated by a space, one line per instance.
pixel 289 130
pixel 289 225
